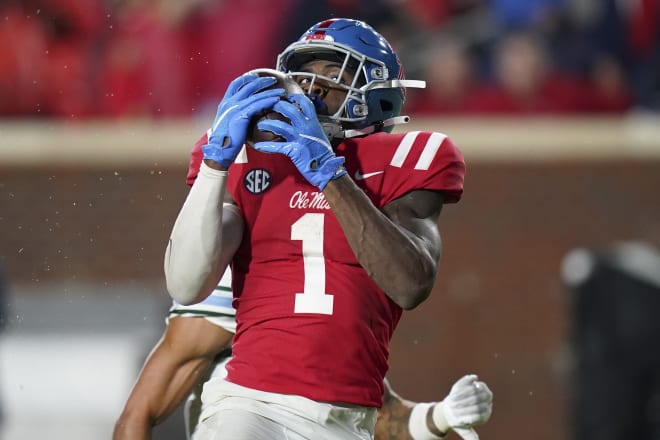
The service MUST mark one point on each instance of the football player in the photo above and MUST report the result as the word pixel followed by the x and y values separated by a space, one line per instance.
pixel 331 233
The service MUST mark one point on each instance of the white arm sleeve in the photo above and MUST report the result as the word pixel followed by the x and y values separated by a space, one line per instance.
pixel 196 255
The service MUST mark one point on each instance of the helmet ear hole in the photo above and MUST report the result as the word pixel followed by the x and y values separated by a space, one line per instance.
pixel 386 106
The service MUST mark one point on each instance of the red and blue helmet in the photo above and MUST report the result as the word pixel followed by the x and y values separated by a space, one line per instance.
pixel 375 97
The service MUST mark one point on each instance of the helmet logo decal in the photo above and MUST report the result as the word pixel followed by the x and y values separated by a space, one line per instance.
pixel 319 33
pixel 319 36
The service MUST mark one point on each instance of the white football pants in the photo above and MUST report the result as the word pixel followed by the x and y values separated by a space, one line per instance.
pixel 239 413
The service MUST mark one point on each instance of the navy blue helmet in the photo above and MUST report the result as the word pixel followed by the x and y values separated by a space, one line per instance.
pixel 375 97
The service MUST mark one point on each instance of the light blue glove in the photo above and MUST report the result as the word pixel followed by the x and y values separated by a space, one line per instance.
pixel 242 100
pixel 305 142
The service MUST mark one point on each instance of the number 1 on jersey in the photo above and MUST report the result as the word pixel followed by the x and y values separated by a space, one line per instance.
pixel 309 230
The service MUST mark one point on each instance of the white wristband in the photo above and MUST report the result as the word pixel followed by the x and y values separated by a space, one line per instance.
pixel 439 419
pixel 417 426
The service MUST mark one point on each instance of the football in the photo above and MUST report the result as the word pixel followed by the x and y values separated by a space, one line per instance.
pixel 290 86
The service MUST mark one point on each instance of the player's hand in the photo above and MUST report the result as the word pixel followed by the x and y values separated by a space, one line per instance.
pixel 304 143
pixel 468 404
pixel 244 98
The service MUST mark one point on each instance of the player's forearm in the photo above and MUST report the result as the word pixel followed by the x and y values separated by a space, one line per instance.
pixel 132 426
pixel 197 255
pixel 406 420
pixel 392 424
pixel 179 387
pixel 166 379
pixel 148 400
pixel 396 420
pixel 394 259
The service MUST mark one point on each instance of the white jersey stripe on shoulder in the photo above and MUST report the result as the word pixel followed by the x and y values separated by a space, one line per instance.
pixel 430 149
pixel 403 149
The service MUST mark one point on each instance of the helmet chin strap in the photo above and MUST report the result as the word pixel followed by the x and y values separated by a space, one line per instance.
pixel 334 131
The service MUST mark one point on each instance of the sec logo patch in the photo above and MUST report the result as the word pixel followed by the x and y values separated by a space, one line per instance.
pixel 257 181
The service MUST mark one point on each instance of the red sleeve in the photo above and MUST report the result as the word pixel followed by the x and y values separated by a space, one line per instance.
pixel 431 161
pixel 196 156
pixel 447 172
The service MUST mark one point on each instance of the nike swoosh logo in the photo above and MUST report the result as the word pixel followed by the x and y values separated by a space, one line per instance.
pixel 360 176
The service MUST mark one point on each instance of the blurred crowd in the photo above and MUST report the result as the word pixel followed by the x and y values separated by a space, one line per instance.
pixel 174 58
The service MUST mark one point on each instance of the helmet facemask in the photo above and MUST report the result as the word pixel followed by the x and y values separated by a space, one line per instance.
pixel 353 109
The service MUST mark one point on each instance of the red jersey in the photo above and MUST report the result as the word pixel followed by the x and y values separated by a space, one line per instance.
pixel 310 321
